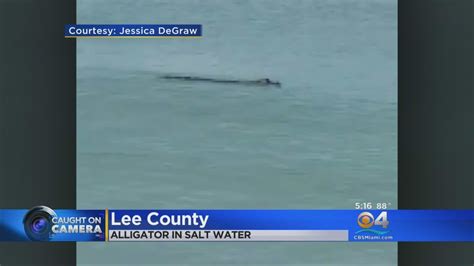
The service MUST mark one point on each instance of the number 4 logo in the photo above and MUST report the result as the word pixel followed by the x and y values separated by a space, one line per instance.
pixel 382 220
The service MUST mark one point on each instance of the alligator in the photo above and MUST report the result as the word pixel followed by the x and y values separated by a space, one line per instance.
pixel 264 81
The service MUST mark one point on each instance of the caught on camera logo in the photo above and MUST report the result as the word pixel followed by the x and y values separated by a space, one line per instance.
pixel 42 223
pixel 372 228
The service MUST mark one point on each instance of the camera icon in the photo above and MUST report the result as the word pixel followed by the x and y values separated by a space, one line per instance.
pixel 38 222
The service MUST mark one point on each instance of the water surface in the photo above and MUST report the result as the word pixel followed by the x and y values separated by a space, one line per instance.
pixel 325 139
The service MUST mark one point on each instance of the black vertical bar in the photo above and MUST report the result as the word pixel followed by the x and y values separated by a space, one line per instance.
pixel 436 118
pixel 37 118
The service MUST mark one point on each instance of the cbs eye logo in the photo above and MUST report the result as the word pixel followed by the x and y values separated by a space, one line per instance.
pixel 366 220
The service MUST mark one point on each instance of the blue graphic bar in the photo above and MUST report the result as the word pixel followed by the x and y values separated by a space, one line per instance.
pixel 132 30
pixel 44 224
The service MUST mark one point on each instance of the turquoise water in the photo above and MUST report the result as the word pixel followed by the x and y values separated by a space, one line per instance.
pixel 325 139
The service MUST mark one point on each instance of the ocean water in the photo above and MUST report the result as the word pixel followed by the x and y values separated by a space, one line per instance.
pixel 324 140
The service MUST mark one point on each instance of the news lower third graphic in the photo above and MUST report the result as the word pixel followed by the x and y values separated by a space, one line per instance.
pixel 42 223
pixel 133 31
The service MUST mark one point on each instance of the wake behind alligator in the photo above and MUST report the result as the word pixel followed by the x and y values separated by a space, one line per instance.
pixel 264 82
